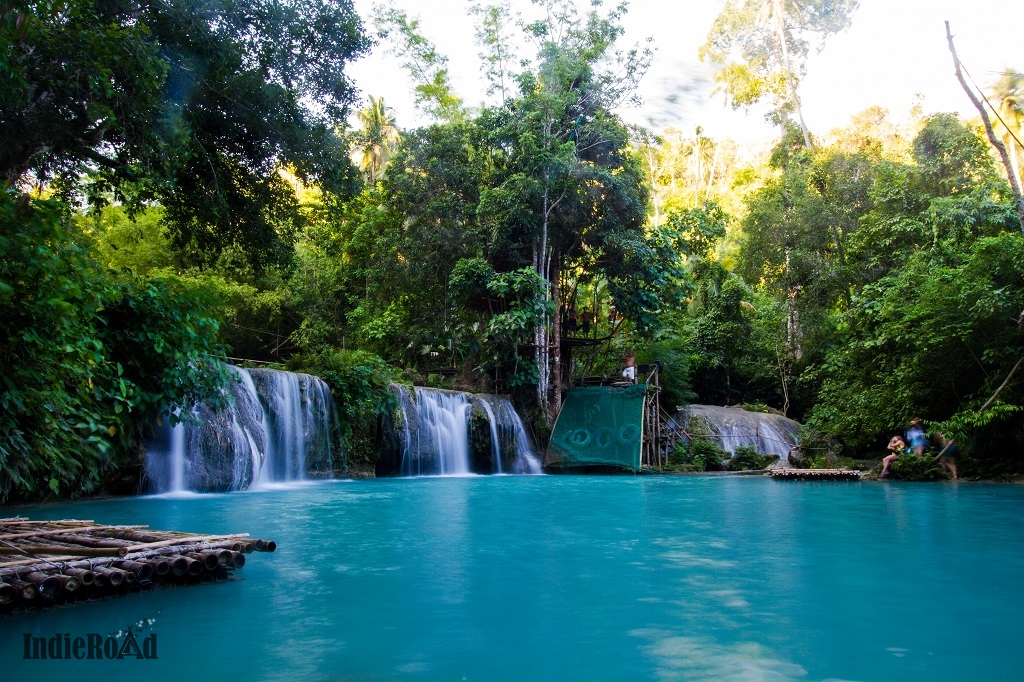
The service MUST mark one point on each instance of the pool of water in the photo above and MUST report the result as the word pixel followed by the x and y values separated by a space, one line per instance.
pixel 575 578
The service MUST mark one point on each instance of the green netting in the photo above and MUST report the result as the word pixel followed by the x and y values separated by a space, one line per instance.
pixel 599 425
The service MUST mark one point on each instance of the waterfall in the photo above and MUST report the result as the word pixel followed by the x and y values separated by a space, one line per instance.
pixel 299 412
pixel 509 437
pixel 733 427
pixel 433 426
pixel 495 440
pixel 277 427
pixel 435 430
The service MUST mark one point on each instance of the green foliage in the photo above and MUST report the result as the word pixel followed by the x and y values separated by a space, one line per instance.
pixel 676 459
pixel 717 333
pixel 747 459
pixel 697 231
pixel 359 383
pixel 75 77
pixel 137 242
pixel 821 460
pixel 704 455
pixel 914 468
pixel 197 105
pixel 521 293
pixel 427 66
pixel 88 361
pixel 746 43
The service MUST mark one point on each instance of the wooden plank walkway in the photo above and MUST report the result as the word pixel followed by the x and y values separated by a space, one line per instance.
pixel 47 562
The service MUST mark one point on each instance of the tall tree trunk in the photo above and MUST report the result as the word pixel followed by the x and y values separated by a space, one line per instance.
pixel 556 344
pixel 996 142
pixel 654 185
pixel 697 179
pixel 540 343
pixel 541 350
pixel 780 29
pixel 794 335
pixel 1012 146
pixel 711 177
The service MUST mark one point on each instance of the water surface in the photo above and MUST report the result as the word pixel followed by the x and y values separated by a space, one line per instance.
pixel 575 578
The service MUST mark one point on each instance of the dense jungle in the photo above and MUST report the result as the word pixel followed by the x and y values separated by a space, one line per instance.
pixel 188 184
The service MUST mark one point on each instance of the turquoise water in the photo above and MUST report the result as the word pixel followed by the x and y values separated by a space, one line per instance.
pixel 576 578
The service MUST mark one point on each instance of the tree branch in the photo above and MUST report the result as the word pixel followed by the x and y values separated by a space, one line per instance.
pixel 1001 386
pixel 996 142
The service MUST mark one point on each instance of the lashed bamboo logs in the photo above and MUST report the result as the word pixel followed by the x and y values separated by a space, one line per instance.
pixel 43 562
pixel 8 594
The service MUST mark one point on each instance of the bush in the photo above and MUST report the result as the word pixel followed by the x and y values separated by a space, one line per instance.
pixel 89 358
pixel 705 456
pixel 914 468
pixel 359 383
pixel 679 456
pixel 748 459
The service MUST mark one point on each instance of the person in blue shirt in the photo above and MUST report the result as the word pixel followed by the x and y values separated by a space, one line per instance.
pixel 916 439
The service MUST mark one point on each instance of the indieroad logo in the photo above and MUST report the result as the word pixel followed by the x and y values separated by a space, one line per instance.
pixel 124 644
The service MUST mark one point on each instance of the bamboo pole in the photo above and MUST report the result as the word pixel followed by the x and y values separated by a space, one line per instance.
pixel 61 531
pixel 90 541
pixel 48 586
pixel 114 576
pixel 34 550
pixel 191 540
pixel 145 553
pixel 86 576
pixel 25 522
pixel 8 593
pixel 142 571
pixel 26 590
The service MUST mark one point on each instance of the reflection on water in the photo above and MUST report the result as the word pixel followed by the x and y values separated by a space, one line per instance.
pixel 561 577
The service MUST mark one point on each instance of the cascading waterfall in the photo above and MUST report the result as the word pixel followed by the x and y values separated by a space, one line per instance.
pixel 495 439
pixel 508 435
pixel 732 428
pixel 434 433
pixel 278 427
pixel 299 412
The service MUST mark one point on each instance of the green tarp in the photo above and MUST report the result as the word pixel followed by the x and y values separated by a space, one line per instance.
pixel 599 426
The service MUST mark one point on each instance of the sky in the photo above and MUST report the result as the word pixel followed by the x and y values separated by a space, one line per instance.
pixel 894 54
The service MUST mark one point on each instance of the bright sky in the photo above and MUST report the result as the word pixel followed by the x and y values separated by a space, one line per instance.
pixel 894 50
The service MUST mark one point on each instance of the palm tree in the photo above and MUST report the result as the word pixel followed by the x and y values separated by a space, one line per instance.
pixel 377 139
pixel 1009 93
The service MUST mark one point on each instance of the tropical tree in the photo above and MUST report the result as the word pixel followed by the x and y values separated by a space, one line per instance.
pixel 196 105
pixel 1009 93
pixel 762 48
pixel 377 139
pixel 426 65
pixel 575 193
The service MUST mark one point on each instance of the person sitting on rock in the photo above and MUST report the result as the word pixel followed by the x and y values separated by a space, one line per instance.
pixel 896 447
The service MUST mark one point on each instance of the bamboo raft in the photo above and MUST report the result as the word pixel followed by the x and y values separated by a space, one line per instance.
pixel 43 563
pixel 815 474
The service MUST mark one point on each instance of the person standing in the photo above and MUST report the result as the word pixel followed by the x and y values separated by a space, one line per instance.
pixel 916 439
pixel 629 373
pixel 947 456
